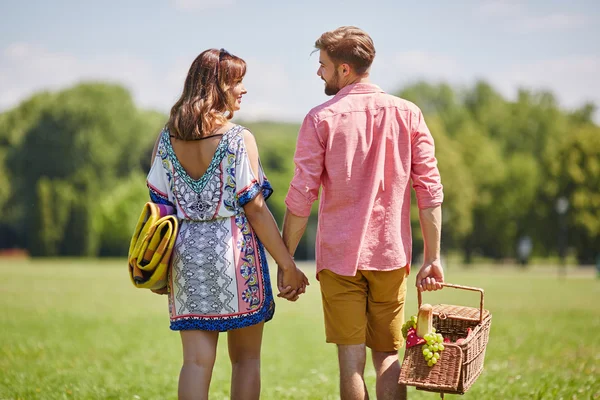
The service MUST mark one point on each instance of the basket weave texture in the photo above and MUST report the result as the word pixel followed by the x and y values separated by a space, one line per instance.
pixel 459 364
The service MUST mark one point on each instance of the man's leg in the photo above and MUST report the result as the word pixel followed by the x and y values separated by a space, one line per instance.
pixel 352 359
pixel 344 308
pixel 385 315
pixel 387 370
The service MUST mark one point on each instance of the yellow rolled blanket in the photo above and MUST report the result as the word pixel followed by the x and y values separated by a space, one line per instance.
pixel 151 246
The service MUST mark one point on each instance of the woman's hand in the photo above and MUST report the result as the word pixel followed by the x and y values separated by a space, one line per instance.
pixel 291 282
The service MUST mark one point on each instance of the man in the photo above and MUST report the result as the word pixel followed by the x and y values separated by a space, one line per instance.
pixel 363 148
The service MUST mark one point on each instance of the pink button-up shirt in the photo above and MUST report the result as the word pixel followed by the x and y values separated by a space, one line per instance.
pixel 364 147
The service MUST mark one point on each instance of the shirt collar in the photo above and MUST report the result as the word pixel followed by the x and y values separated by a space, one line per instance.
pixel 359 88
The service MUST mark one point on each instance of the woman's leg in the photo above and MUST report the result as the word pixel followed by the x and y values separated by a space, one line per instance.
pixel 199 353
pixel 244 352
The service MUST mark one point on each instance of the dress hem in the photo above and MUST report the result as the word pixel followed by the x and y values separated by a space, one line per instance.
pixel 195 323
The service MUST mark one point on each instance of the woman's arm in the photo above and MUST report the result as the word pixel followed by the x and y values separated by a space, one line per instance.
pixel 266 229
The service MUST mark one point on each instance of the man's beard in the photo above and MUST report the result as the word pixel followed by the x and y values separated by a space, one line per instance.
pixel 331 88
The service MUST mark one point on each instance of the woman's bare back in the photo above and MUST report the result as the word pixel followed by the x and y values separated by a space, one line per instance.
pixel 195 155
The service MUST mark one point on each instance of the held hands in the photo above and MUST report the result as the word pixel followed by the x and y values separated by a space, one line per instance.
pixel 291 282
pixel 430 276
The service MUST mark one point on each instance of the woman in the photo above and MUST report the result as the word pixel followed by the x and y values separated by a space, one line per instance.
pixel 208 169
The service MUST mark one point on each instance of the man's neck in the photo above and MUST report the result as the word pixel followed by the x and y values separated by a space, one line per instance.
pixel 358 79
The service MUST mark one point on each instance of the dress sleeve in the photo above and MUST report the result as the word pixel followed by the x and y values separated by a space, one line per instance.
pixel 247 185
pixel 158 180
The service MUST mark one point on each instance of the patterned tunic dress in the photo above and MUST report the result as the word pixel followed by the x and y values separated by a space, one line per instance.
pixel 219 278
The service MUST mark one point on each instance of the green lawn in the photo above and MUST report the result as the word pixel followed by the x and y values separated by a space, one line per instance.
pixel 79 330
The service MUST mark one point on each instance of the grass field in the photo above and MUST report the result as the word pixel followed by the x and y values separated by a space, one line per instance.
pixel 72 329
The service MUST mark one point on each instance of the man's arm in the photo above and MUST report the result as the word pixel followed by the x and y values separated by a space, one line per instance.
pixel 431 227
pixel 304 187
pixel 293 229
pixel 429 190
pixel 431 274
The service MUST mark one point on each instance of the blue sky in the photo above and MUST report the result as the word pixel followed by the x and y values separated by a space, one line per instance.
pixel 148 46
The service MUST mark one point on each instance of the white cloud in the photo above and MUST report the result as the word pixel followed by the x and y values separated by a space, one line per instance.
pixel 25 69
pixel 272 93
pixel 549 22
pixel 573 80
pixel 412 65
pixel 499 8
pixel 517 18
pixel 196 5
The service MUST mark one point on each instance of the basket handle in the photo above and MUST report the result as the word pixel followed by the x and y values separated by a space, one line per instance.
pixel 474 289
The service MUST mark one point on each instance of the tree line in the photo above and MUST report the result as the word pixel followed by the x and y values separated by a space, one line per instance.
pixel 73 166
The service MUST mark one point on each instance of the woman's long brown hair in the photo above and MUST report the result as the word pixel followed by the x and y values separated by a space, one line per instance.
pixel 205 103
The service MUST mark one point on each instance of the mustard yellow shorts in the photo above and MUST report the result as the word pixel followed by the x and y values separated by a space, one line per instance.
pixel 366 308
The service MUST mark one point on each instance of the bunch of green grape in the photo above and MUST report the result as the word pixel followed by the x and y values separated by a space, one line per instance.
pixel 410 323
pixel 433 347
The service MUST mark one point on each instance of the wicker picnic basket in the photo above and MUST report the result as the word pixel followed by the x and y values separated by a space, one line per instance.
pixel 459 364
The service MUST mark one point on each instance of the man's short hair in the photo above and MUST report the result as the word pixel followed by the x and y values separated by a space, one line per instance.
pixel 350 45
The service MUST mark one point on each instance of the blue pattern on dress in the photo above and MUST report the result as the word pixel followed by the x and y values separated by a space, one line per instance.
pixel 158 198
pixel 250 193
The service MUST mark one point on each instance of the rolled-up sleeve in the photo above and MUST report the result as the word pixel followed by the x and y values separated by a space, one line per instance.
pixel 309 161
pixel 424 171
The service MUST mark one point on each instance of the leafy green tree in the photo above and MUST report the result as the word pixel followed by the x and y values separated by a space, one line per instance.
pixel 50 216
pixel 13 125
pixel 459 190
pixel 84 138
pixel 575 167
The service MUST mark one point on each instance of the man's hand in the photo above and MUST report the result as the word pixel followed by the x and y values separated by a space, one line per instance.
pixel 430 276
